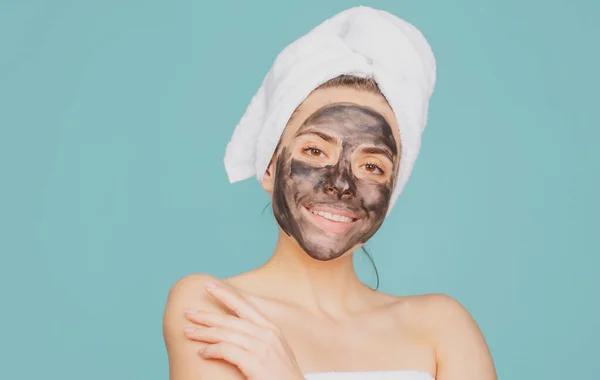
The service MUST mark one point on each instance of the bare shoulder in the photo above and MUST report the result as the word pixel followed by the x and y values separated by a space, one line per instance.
pixel 188 292
pixel 438 311
pixel 184 362
pixel 461 350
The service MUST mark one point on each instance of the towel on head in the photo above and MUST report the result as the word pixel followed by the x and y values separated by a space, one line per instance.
pixel 359 41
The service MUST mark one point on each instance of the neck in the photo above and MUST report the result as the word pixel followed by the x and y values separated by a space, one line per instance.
pixel 331 287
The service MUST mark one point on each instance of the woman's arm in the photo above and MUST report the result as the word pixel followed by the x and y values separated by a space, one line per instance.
pixel 184 361
pixel 462 353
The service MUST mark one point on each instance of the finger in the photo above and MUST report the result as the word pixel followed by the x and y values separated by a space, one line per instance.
pixel 232 354
pixel 237 304
pixel 210 319
pixel 221 335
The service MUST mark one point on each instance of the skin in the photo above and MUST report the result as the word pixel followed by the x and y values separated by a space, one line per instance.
pixel 319 315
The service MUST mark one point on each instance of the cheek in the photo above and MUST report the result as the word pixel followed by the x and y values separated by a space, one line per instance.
pixel 375 196
pixel 306 178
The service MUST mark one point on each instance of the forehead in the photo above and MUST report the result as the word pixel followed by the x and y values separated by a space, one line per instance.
pixel 352 110
pixel 351 123
pixel 349 117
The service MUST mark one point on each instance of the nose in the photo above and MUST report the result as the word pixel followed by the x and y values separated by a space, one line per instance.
pixel 339 182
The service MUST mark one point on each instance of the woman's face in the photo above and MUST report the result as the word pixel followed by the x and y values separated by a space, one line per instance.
pixel 335 171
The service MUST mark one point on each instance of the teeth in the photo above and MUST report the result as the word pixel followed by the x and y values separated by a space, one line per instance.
pixel 334 217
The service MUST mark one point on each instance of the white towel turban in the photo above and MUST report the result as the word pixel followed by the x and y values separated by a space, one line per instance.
pixel 359 41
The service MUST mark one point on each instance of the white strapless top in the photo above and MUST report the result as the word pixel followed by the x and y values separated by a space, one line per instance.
pixel 374 375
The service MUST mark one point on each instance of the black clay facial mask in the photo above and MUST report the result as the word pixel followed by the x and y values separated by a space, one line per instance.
pixel 328 195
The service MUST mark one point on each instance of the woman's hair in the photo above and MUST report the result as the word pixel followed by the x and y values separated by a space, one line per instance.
pixel 358 83
pixel 345 80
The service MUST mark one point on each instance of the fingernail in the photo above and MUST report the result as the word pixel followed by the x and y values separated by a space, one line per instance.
pixel 190 311
pixel 189 329
pixel 210 284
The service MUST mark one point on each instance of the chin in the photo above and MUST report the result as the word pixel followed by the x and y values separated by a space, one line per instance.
pixel 323 252
pixel 320 256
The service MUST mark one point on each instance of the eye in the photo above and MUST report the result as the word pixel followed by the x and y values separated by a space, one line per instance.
pixel 314 152
pixel 373 168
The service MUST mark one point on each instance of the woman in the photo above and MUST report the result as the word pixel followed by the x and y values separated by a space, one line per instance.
pixel 340 136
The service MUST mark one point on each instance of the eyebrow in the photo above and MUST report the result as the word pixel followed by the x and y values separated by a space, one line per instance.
pixel 324 136
pixel 376 150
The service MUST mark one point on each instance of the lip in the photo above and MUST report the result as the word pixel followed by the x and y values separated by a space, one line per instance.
pixel 326 225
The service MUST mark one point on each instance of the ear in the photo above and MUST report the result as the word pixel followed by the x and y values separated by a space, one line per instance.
pixel 268 181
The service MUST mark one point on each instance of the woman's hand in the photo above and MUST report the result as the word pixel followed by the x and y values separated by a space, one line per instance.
pixel 248 341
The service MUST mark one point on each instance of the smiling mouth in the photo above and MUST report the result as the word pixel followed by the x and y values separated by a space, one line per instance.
pixel 329 219
pixel 333 215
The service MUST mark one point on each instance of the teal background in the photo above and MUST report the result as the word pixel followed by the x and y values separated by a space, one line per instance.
pixel 114 116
